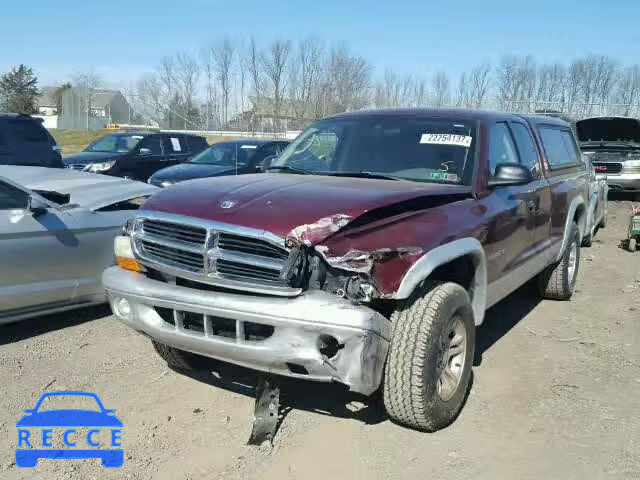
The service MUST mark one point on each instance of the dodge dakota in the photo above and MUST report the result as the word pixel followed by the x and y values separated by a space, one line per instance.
pixel 366 255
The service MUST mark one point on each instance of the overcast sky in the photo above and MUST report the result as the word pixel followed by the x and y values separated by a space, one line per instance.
pixel 121 39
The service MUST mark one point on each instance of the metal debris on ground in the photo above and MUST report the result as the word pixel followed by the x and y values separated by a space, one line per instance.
pixel 265 416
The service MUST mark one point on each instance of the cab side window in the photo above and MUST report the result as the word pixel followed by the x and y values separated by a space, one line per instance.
pixel 12 198
pixel 560 148
pixel 501 147
pixel 526 148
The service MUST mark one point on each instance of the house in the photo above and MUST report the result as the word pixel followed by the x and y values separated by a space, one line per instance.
pixel 261 116
pixel 46 102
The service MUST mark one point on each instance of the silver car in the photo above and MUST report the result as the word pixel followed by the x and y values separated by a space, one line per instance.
pixel 56 236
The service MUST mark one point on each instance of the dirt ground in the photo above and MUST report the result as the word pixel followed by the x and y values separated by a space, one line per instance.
pixel 556 394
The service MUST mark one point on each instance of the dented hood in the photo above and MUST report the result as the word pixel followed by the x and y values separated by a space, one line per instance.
pixel 310 206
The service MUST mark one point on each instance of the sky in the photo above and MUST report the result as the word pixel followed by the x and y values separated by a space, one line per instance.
pixel 122 39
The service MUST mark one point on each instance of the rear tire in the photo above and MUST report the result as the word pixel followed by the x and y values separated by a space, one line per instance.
pixel 428 369
pixel 180 360
pixel 558 281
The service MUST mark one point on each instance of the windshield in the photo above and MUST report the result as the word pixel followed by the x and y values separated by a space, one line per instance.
pixel 114 144
pixel 226 154
pixel 439 150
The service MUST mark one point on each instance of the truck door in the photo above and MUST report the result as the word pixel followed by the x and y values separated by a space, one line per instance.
pixel 539 194
pixel 511 233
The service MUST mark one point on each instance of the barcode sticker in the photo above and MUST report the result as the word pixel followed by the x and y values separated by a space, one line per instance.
pixel 446 139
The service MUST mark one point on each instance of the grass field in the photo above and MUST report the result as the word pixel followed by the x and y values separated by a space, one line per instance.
pixel 73 141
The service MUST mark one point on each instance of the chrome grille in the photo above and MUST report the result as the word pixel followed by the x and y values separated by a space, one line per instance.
pixel 607 167
pixel 175 231
pixel 213 253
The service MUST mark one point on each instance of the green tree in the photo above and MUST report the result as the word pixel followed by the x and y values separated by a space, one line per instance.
pixel 19 90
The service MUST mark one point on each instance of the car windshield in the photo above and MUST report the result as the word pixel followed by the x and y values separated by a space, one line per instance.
pixel 438 150
pixel 114 144
pixel 226 154
pixel 69 402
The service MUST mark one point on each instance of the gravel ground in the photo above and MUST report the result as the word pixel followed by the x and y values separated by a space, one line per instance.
pixel 556 394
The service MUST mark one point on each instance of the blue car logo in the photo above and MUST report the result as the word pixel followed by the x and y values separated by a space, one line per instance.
pixel 32 447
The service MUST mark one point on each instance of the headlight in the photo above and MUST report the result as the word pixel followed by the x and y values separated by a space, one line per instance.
pixel 124 254
pixel 166 183
pixel 632 166
pixel 99 167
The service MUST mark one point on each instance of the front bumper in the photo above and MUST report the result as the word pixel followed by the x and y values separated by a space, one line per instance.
pixel 625 182
pixel 301 325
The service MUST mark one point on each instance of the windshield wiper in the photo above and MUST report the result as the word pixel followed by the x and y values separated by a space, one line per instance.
pixel 374 175
pixel 287 168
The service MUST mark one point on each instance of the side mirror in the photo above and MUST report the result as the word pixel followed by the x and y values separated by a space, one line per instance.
pixel 144 152
pixel 509 174
pixel 264 165
pixel 36 206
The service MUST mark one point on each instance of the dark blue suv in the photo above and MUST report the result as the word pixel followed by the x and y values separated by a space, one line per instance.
pixel 24 141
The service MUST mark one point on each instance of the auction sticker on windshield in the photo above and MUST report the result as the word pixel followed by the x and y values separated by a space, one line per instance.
pixel 446 139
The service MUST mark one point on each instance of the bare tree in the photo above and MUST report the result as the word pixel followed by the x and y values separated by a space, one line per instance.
pixel 87 82
pixel 463 94
pixel 393 90
pixel 222 53
pixel 629 88
pixel 606 74
pixel 349 80
pixel 441 93
pixel 479 83
pixel 305 77
pixel 187 73
pixel 551 83
pixel 274 62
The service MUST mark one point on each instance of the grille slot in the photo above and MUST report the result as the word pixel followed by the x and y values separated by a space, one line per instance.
pixel 185 233
pixel 212 326
pixel 236 269
pixel 174 256
pixel 609 167
pixel 253 246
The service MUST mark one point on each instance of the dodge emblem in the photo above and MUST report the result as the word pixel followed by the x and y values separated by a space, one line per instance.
pixel 227 203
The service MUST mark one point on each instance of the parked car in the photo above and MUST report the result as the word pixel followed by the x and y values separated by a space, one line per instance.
pixel 614 146
pixel 56 236
pixel 136 155
pixel 224 158
pixel 598 205
pixel 24 141
pixel 376 244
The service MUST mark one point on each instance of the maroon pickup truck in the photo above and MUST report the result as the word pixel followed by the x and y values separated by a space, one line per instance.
pixel 366 255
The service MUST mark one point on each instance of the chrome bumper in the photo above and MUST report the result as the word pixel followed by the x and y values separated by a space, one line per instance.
pixel 299 326
pixel 625 182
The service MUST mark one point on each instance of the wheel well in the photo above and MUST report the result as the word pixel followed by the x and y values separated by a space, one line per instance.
pixel 579 218
pixel 460 270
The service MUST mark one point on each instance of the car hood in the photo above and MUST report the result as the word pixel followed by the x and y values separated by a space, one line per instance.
pixel 88 190
pixel 306 207
pixel 188 171
pixel 608 132
pixel 69 418
pixel 85 158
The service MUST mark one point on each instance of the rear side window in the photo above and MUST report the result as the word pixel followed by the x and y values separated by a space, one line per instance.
pixel 560 148
pixel 501 147
pixel 26 131
pixel 196 144
pixel 175 144
pixel 526 147
pixel 12 198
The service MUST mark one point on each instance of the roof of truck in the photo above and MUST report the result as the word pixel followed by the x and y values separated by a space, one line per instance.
pixel 463 113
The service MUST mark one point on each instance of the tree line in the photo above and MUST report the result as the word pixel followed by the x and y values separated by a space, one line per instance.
pixel 232 81
pixel 309 79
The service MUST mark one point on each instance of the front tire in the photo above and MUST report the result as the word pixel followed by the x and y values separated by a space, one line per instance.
pixel 180 360
pixel 558 281
pixel 428 369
